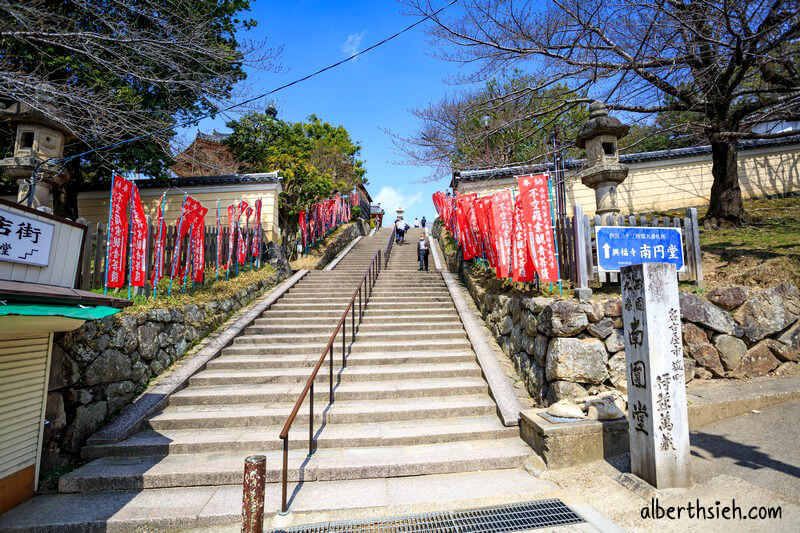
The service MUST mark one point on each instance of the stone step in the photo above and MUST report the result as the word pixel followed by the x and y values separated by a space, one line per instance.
pixel 407 318
pixel 359 390
pixel 190 470
pixel 308 361
pixel 391 433
pixel 412 308
pixel 341 411
pixel 303 313
pixel 352 373
pixel 242 346
pixel 325 328
pixel 312 339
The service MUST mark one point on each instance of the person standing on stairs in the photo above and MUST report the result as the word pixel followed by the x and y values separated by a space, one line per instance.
pixel 423 222
pixel 422 252
pixel 400 230
pixel 416 222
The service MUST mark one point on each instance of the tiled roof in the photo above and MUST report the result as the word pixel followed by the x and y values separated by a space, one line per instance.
pixel 659 155
pixel 200 181
pixel 214 136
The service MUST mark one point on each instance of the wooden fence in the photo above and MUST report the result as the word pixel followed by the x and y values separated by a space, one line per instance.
pixel 94 253
pixel 577 245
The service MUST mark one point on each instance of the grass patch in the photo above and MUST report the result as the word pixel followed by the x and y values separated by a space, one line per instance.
pixel 207 291
pixel 761 253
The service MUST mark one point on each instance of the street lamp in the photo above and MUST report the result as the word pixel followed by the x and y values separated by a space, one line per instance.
pixel 485 121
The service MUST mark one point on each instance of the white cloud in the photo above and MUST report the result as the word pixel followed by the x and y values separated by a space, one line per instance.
pixel 352 43
pixel 390 199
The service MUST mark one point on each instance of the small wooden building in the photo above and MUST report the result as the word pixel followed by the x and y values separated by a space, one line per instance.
pixel 40 256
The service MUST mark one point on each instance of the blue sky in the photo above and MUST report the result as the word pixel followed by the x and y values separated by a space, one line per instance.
pixel 374 91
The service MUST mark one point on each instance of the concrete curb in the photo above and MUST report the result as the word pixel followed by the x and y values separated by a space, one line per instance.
pixel 132 418
pixel 343 253
pixel 371 233
pixel 499 386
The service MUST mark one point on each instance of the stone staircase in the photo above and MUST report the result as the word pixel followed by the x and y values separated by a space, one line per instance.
pixel 411 401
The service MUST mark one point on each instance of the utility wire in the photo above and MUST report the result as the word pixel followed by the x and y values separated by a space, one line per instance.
pixel 194 121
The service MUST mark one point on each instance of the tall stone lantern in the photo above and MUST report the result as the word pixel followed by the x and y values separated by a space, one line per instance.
pixel 38 143
pixel 604 172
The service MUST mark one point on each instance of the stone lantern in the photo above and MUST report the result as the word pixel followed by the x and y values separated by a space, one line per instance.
pixel 604 172
pixel 38 144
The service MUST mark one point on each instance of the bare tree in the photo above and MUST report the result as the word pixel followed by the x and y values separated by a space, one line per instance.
pixel 116 69
pixel 726 65
pixel 507 121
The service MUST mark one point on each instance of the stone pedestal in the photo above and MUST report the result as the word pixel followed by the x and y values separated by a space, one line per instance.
pixel 657 411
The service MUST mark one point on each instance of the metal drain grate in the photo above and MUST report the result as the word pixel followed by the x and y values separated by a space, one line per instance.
pixel 516 517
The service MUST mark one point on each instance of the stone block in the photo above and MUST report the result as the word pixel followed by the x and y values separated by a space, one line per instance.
pixel 770 311
pixel 617 371
pixel 562 445
pixel 613 307
pixel 562 318
pixel 564 390
pixel 602 328
pixel 693 334
pixel 758 361
pixel 119 394
pixel 615 342
pixel 730 350
pixel 540 349
pixel 88 419
pixel 576 360
pixel 148 340
pixel 111 365
pixel 701 311
pixel 594 310
pixel 706 356
pixel 728 298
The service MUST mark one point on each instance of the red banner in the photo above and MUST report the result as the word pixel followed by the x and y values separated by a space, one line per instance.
pixel 241 248
pixel 198 249
pixel 231 233
pixel 522 268
pixel 138 241
pixel 483 208
pixel 502 226
pixel 303 228
pixel 161 236
pixel 117 232
pixel 256 248
pixel 538 224
pixel 190 211
pixel 219 238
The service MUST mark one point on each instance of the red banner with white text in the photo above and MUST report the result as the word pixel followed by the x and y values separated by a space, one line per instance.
pixel 538 224
pixel 502 226
pixel 121 191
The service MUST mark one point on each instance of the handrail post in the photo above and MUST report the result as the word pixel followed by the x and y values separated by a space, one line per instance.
pixel 311 421
pixel 284 507
pixel 330 377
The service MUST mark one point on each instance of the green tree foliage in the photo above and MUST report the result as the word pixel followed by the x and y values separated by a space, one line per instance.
pixel 109 70
pixel 314 158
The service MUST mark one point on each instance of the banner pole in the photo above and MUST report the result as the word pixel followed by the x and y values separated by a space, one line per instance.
pixel 130 241
pixel 219 227
pixel 177 240
pixel 108 229
pixel 555 240
pixel 159 246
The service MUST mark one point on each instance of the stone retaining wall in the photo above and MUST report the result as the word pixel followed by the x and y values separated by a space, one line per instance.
pixel 102 366
pixel 565 349
pixel 358 229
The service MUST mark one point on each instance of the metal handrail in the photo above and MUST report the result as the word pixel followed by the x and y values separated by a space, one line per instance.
pixel 389 248
pixel 366 285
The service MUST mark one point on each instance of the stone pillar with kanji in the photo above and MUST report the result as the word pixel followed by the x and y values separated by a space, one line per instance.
pixel 657 411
